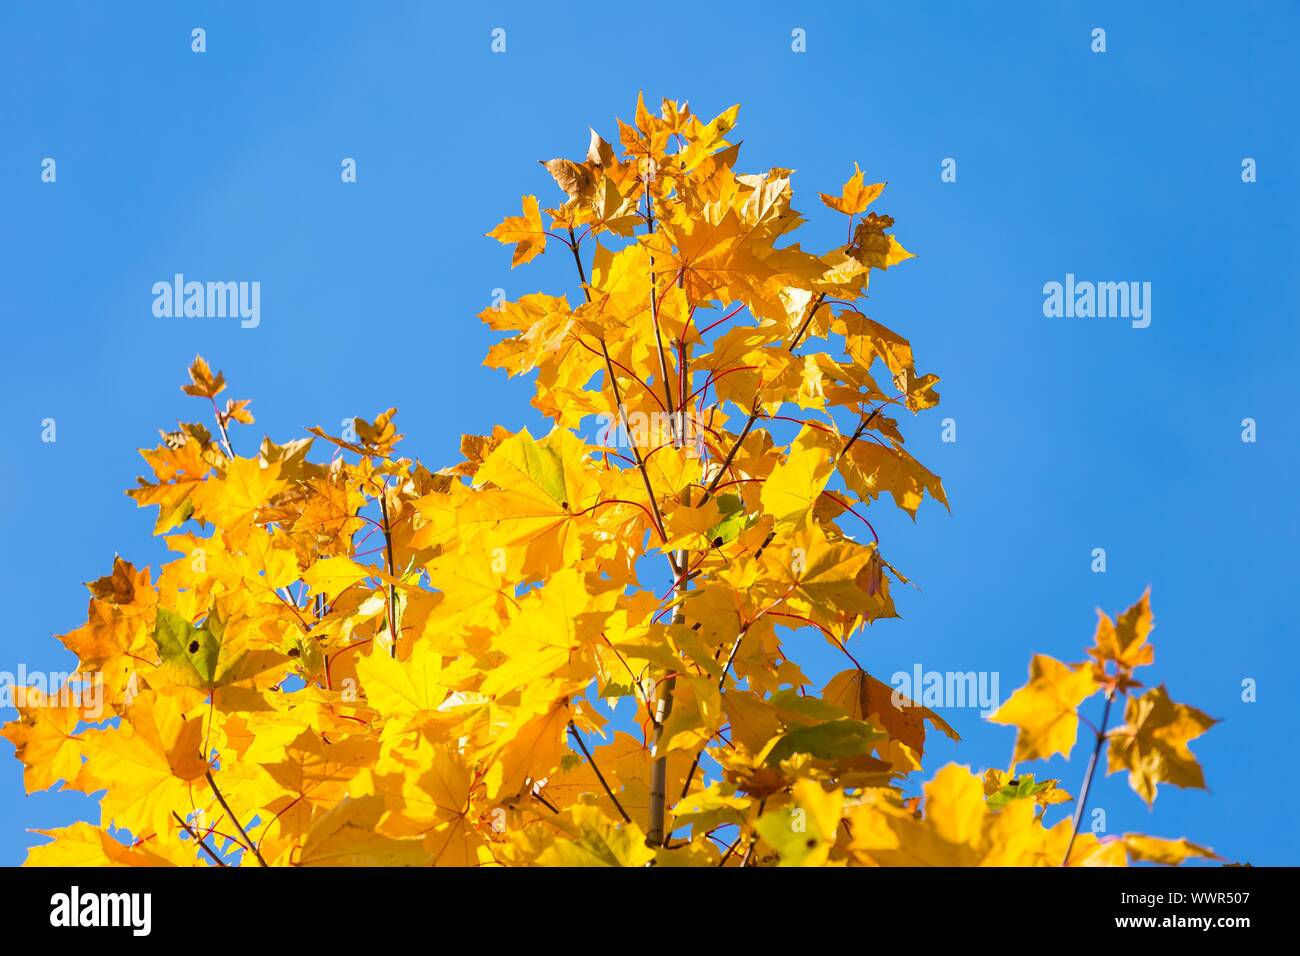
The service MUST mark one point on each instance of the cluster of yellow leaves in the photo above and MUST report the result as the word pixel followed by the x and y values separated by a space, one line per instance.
pixel 360 661
pixel 1152 743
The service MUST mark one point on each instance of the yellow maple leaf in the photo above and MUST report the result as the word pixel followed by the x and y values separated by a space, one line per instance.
pixel 863 697
pixel 1152 744
pixel 1125 641
pixel 526 232
pixel 1148 849
pixel 345 836
pixel 148 765
pixel 82 844
pixel 232 501
pixel 1045 711
pixel 44 737
pixel 793 487
pixel 854 197
pixel 804 834
pixel 204 383
pixel 406 689
pixel 596 841
pixel 333 575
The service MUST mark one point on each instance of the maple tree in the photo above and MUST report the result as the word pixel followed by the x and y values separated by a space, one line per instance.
pixel 364 661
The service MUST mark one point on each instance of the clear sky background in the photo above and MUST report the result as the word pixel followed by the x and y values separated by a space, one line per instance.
pixel 1073 434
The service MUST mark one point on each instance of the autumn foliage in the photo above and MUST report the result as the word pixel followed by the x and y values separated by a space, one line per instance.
pixel 579 650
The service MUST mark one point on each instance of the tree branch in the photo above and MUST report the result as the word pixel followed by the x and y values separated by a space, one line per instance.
pixel 655 833
pixel 658 518
pixel 636 453
pixel 225 806
pixel 221 424
pixel 392 570
pixel 599 776
pixel 857 433
pixel 753 840
pixel 754 412
pixel 654 308
pixel 816 304
pixel 1087 777
pixel 202 843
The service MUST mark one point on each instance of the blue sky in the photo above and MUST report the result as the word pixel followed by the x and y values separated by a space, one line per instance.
pixel 1072 433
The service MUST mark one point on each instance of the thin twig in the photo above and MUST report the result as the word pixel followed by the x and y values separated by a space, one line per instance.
pixel 676 560
pixel 392 570
pixel 730 850
pixel 753 840
pixel 202 843
pixel 654 305
pixel 755 412
pixel 1087 777
pixel 637 690
pixel 722 682
pixel 726 462
pixel 816 304
pixel 599 776
pixel 582 273
pixel 658 518
pixel 636 453
pixel 537 795
pixel 225 806
pixel 221 424
pixel 862 426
